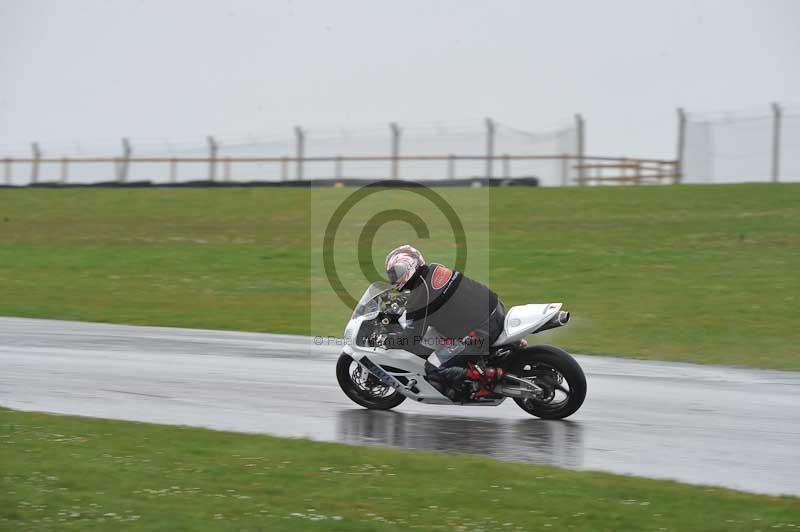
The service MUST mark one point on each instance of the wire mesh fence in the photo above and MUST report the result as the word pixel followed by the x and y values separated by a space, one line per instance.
pixel 730 146
pixel 743 146
pixel 429 151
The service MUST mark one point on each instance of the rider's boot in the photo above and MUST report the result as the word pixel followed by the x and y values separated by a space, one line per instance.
pixel 484 377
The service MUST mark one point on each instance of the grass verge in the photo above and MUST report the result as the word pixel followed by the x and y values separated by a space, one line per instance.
pixel 78 473
pixel 693 273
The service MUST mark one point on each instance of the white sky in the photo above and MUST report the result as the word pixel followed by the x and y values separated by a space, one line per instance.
pixel 90 70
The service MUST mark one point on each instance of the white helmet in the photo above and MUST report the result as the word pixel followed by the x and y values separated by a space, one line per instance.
pixel 402 263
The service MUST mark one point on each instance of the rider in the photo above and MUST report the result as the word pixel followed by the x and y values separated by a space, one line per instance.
pixel 467 316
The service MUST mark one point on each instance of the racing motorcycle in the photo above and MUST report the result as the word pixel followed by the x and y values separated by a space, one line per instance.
pixel 543 380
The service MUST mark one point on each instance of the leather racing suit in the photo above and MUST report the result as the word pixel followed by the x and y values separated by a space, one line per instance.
pixel 462 311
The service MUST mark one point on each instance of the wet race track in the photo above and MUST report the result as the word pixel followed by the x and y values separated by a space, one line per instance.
pixel 700 424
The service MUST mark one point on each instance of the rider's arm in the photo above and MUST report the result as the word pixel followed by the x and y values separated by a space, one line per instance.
pixel 408 338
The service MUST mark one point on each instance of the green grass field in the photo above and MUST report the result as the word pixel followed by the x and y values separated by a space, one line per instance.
pixel 695 273
pixel 62 473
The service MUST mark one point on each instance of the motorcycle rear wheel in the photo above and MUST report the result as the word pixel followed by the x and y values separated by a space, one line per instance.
pixel 551 367
pixel 367 393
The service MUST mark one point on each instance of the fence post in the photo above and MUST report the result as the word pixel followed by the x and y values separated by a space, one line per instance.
pixel 122 170
pixel 564 169
pixel 64 170
pixel 173 170
pixel 37 155
pixel 490 131
pixel 451 166
pixel 213 148
pixel 506 166
pixel 395 149
pixel 776 142
pixel 579 125
pixel 7 171
pixel 681 146
pixel 337 171
pixel 300 138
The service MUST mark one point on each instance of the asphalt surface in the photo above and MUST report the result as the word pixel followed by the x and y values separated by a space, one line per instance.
pixel 714 425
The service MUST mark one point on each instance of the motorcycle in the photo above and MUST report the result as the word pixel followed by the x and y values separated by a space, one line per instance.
pixel 543 380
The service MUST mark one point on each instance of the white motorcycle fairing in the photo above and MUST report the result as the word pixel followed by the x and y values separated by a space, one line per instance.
pixel 523 320
pixel 389 364
pixel 402 364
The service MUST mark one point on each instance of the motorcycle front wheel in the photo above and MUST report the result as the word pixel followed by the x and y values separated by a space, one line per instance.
pixel 364 388
pixel 558 374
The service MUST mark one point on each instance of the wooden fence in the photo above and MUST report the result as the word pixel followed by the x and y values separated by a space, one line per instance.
pixel 574 169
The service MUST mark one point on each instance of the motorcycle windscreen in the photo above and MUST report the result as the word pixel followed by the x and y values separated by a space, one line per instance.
pixel 368 304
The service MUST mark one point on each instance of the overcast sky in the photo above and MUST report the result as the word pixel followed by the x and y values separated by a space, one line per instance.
pixel 86 70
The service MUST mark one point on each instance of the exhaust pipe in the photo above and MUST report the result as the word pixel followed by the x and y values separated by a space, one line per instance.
pixel 559 320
